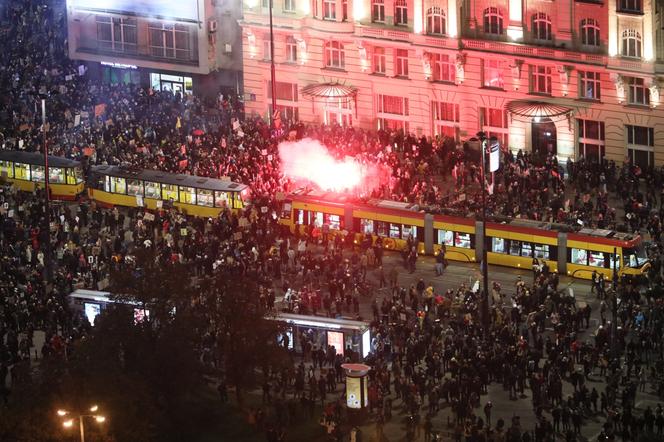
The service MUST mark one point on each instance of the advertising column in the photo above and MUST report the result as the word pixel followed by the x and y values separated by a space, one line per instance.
pixel 357 391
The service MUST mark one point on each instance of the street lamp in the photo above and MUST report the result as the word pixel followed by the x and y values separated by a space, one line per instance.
pixel 68 423
pixel 485 265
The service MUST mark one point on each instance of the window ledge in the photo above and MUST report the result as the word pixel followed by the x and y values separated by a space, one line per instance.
pixel 540 94
pixel 637 106
pixel 401 77
pixel 378 74
pixel 592 2
pixel 589 100
pixel 628 12
pixel 493 88
pixel 333 69
pixel 451 83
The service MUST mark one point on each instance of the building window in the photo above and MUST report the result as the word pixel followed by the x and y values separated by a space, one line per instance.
pixel 630 6
pixel 443 68
pixel 379 61
pixel 291 50
pixel 492 73
pixel 344 10
pixel 445 118
pixel 591 140
pixel 329 9
pixel 589 32
pixel 435 21
pixel 401 13
pixel 286 100
pixel 289 5
pixel 116 34
pixel 542 27
pixel 392 112
pixel 589 85
pixel 267 47
pixel 171 41
pixel 493 122
pixel 541 80
pixel 378 11
pixel 334 55
pixel 493 21
pixel 640 145
pixel 631 43
pixel 401 63
pixel 639 93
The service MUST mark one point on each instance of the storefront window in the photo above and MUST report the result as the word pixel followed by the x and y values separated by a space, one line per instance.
pixel 169 192
pixel 446 237
pixel 462 240
pixel 37 173
pixel 152 190
pixel 579 256
pixel 221 199
pixel 366 226
pixel 22 171
pixel 187 195
pixel 205 198
pixel 6 169
pixel 134 187
pixel 498 245
pixel 541 251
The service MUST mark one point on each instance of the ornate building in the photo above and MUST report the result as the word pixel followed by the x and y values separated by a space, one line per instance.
pixel 572 77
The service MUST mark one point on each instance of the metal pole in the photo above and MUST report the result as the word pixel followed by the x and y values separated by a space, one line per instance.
pixel 614 309
pixel 47 197
pixel 80 422
pixel 485 268
pixel 272 68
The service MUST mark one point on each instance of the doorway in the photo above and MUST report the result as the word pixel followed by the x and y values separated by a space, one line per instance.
pixel 544 137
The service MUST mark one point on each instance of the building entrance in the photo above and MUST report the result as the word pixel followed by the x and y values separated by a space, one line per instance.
pixel 544 137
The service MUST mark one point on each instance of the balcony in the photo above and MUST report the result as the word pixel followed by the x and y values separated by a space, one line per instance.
pixel 137 52
pixel 532 51
pixel 383 33
pixel 631 64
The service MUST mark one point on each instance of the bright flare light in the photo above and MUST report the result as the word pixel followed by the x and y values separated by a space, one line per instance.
pixel 61 412
pixel 68 423
pixel 100 419
pixel 94 408
pixel 308 160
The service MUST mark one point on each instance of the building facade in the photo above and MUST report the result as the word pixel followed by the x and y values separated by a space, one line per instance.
pixel 186 46
pixel 570 77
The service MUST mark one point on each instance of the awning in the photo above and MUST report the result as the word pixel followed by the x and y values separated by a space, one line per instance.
pixel 529 111
pixel 329 90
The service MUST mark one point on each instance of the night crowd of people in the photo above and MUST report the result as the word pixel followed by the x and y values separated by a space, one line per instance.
pixel 429 352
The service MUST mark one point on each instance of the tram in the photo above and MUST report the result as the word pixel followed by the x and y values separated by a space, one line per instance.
pixel 513 243
pixel 26 170
pixel 193 195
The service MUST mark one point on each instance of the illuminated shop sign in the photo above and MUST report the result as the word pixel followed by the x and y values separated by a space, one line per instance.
pixel 119 65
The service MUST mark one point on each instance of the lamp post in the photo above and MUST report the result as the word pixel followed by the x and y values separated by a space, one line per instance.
pixel 69 421
pixel 272 68
pixel 485 265
pixel 47 197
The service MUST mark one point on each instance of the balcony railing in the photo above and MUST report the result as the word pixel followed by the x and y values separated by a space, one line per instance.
pixel 136 52
pixel 532 51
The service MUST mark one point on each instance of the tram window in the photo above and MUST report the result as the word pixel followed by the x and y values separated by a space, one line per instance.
pixel 616 262
pixel 134 187
pixel 56 175
pixel 446 237
pixel 22 171
pixel 237 200
pixel 318 219
pixel 636 257
pixel 462 240
pixel 395 231
pixel 526 249
pixel 6 169
pixel 118 185
pixel 221 199
pixel 299 217
pixel 579 256
pixel 187 195
pixel 407 231
pixel 37 173
pixel 204 198
pixel 382 228
pixel 596 259
pixel 498 245
pixel 152 190
pixel 367 226
pixel 334 221
pixel 71 175
pixel 515 248
pixel 542 251
pixel 169 192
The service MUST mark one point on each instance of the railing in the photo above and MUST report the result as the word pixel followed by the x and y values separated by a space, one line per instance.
pixel 138 52
pixel 532 51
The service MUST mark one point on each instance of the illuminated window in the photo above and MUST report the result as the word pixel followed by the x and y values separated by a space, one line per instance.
pixel 541 27
pixel 170 40
pixel 118 185
pixel 446 237
pixel 204 197
pixel 492 73
pixel 640 145
pixel 334 55
pixel 134 187
pixel 630 6
pixel 6 169
pixel 367 226
pixel 289 5
pixel 493 21
pixel 401 63
pixel 639 93
pixel 22 171
pixel 591 140
pixel 187 195
pixel 169 192
pixel 267 47
pixel 392 112
pixel 116 33
pixel 498 245
pixel 379 60
pixel 542 251
pixel 589 85
pixel 494 124
pixel 462 240
pixel 435 21
pixel 445 111
pixel 401 13
pixel 152 190
pixel 378 11
pixel 541 80
pixel 631 43
pixel 590 32
pixel 291 50
pixel 222 199
pixel 443 68
pixel 37 173
pixel 329 9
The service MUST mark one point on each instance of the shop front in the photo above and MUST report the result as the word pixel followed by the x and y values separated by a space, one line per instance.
pixel 171 83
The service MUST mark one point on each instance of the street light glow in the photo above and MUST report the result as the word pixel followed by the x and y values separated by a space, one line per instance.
pixel 94 408
pixel 62 413
pixel 68 423
pixel 100 419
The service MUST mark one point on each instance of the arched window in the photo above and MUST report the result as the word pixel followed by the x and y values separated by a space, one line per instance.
pixel 631 43
pixel 493 21
pixel 334 55
pixel 589 32
pixel 436 21
pixel 378 11
pixel 541 27
pixel 401 12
